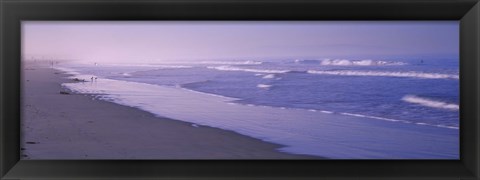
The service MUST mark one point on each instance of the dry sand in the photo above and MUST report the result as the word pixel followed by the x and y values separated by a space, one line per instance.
pixel 77 126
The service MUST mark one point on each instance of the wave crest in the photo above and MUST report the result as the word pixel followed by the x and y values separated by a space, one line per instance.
pixel 348 62
pixel 231 68
pixel 269 76
pixel 264 86
pixel 430 102
pixel 410 74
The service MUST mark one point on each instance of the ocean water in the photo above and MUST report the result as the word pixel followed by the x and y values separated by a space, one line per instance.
pixel 335 108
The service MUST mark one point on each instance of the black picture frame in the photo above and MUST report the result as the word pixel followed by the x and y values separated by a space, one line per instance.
pixel 12 12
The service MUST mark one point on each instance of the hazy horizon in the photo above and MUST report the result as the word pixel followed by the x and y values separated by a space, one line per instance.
pixel 160 41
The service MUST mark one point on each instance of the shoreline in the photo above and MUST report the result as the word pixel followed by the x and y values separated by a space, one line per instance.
pixel 78 126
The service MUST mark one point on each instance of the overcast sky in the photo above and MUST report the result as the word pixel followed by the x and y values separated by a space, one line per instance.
pixel 157 41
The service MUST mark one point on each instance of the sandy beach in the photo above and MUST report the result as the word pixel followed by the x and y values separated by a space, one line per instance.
pixel 77 126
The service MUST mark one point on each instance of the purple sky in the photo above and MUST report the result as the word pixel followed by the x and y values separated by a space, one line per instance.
pixel 157 41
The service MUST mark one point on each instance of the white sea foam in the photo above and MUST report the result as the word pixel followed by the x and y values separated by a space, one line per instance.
pixel 410 74
pixel 366 62
pixel 232 62
pixel 374 117
pixel 269 76
pixel 327 112
pixel 231 68
pixel 348 62
pixel 449 127
pixel 208 94
pixel 264 86
pixel 401 121
pixel 430 102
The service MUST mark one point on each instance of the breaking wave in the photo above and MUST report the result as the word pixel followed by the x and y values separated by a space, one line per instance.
pixel 410 74
pixel 347 62
pixel 430 102
pixel 269 76
pixel 264 86
pixel 230 68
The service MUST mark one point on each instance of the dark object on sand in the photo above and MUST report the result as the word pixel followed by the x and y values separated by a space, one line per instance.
pixel 30 142
pixel 79 80
pixel 64 92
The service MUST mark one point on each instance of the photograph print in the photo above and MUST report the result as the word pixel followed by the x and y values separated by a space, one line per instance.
pixel 161 90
